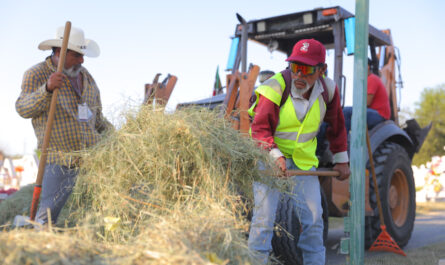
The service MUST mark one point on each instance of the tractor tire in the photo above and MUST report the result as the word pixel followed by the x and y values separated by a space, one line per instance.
pixel 287 230
pixel 397 192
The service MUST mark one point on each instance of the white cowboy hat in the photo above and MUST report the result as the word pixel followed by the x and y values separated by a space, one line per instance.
pixel 77 43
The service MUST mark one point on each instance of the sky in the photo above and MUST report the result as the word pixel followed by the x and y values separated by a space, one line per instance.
pixel 188 39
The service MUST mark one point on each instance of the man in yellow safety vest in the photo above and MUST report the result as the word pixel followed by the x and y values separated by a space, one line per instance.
pixel 289 110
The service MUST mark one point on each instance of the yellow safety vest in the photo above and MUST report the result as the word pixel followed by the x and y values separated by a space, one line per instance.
pixel 294 138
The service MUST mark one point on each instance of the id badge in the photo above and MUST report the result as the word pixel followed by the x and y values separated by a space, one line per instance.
pixel 84 112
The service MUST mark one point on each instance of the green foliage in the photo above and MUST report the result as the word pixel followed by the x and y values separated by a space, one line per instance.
pixel 16 204
pixel 431 108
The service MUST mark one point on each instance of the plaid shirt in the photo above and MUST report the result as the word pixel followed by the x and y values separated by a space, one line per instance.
pixel 68 134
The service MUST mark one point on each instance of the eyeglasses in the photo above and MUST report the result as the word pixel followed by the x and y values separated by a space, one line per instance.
pixel 304 69
pixel 75 54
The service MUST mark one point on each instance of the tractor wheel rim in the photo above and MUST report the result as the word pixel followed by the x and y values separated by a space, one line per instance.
pixel 398 197
pixel 393 197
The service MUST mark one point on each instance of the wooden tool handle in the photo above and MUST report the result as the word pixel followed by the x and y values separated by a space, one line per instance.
pixel 52 108
pixel 374 178
pixel 321 172
pixel 49 125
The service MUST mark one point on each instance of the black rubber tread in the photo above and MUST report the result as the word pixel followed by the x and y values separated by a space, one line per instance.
pixel 388 157
pixel 325 216
pixel 283 244
pixel 287 230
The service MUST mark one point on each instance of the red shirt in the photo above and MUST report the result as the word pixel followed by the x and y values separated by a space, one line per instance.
pixel 380 102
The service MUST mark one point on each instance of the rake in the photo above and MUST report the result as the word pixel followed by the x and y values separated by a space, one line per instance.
pixel 384 242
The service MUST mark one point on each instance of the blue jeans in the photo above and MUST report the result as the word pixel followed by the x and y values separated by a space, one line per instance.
pixel 372 118
pixel 58 183
pixel 306 194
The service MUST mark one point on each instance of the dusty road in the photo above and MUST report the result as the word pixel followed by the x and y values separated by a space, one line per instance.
pixel 428 229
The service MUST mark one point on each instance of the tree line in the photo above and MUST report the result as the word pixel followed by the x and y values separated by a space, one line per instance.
pixel 431 108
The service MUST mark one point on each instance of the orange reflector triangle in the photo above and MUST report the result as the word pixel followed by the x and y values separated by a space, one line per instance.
pixel 385 242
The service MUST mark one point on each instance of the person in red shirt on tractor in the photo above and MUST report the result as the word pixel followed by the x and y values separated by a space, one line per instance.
pixel 377 102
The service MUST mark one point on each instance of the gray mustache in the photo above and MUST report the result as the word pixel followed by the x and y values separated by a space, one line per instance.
pixel 301 80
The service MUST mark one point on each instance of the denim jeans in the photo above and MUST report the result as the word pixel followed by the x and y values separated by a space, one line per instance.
pixel 306 194
pixel 58 182
pixel 372 118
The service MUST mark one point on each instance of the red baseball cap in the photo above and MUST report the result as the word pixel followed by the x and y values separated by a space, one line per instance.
pixel 308 51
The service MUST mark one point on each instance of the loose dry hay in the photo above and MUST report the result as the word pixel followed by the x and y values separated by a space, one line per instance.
pixel 163 189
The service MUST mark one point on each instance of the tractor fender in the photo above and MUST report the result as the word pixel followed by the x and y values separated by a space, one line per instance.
pixel 389 131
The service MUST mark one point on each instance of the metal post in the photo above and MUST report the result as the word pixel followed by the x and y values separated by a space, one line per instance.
pixel 244 36
pixel 358 126
pixel 339 44
pixel 244 49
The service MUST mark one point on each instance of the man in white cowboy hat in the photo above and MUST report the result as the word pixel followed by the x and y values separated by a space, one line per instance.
pixel 78 121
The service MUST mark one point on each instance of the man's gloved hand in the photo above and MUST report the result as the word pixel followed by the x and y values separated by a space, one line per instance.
pixel 343 169
pixel 281 163
pixel 55 81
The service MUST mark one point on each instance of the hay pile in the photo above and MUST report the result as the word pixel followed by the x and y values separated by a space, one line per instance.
pixel 163 189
